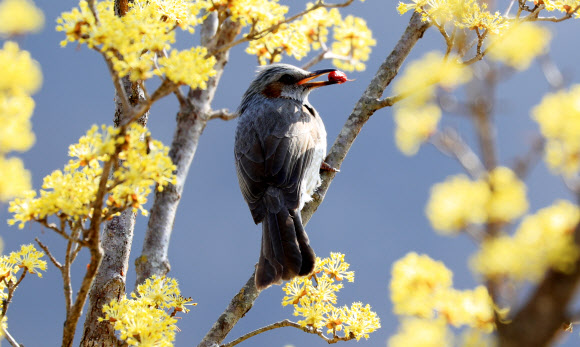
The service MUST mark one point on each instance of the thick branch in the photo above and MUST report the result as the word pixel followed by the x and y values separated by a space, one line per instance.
pixel 364 108
pixel 539 321
pixel 110 281
pixel 238 307
pixel 191 121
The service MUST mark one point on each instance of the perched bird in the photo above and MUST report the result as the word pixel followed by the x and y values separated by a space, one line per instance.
pixel 279 149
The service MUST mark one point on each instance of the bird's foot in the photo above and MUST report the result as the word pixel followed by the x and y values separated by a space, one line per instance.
pixel 326 167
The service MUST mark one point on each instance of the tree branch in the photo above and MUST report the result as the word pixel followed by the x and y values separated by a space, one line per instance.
pixel 222 114
pixel 191 121
pixel 365 107
pixel 9 338
pixel 450 143
pixel 288 323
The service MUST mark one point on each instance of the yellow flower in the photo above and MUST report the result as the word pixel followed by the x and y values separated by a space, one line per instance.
pixel 336 268
pixel 420 79
pixel 476 16
pixel 558 116
pixel 20 73
pixel 142 320
pixel 14 178
pixel 542 241
pixel 28 258
pixel 315 24
pixel 313 298
pixel 15 126
pixel 360 320
pixel 188 67
pixel 467 307
pixel 353 39
pixel 414 125
pixel 416 332
pixel 415 280
pixel 70 193
pixel 133 41
pixel 251 12
pixel 456 203
pixel 508 196
pixel 289 39
pixel 19 17
pixel 520 44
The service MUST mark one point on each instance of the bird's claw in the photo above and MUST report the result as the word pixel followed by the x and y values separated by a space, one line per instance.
pixel 326 167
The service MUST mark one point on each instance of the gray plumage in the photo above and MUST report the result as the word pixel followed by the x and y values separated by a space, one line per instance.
pixel 279 147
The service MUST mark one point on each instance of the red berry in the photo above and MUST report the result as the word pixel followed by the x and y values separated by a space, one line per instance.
pixel 337 76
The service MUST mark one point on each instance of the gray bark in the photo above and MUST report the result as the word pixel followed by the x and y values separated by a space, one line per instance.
pixel 191 121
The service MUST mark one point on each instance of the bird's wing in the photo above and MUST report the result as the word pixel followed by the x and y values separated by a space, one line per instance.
pixel 275 149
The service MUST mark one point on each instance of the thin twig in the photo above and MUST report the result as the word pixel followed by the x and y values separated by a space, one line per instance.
pixel 47 251
pixel 288 323
pixel 523 164
pixel 10 339
pixel 450 143
pixel 222 114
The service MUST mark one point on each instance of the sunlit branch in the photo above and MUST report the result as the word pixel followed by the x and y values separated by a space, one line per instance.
pixel 10 339
pixel 259 34
pixel 450 143
pixel 288 323
pixel 223 114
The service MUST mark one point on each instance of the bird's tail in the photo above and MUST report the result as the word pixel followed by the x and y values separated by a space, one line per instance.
pixel 285 251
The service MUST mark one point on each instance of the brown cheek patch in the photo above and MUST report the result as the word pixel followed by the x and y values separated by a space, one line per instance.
pixel 273 90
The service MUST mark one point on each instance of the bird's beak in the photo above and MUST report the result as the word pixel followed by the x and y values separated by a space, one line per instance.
pixel 306 81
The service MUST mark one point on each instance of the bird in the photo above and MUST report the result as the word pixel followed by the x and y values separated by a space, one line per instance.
pixel 280 146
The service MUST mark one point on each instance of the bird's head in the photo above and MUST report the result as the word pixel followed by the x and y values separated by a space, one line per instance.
pixel 286 81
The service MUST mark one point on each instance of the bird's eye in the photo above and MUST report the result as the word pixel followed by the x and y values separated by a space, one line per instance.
pixel 286 79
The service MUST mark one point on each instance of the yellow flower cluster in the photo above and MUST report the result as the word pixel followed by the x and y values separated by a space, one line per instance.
pixel 459 201
pixel 418 332
pixel 463 14
pixel 251 12
pixel 417 116
pixel 21 76
pixel 565 6
pixel 134 41
pixel 544 240
pixel 353 39
pixel 520 44
pixel 144 320
pixel 70 193
pixel 314 297
pixel 315 24
pixel 289 39
pixel 28 259
pixel 422 287
pixel 19 17
pixel 558 115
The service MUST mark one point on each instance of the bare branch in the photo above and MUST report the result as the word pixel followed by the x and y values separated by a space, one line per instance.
pixel 523 165
pixel 365 107
pixel 47 251
pixel 288 323
pixel 449 142
pixel 9 338
pixel 222 114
